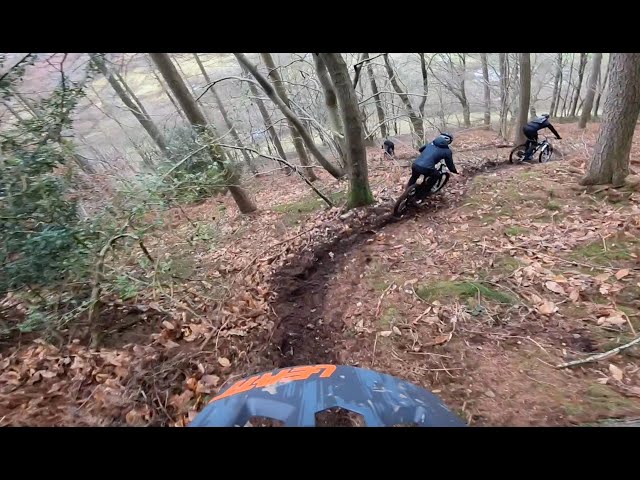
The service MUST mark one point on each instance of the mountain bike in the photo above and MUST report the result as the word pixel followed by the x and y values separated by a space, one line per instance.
pixel 295 396
pixel 415 194
pixel 543 148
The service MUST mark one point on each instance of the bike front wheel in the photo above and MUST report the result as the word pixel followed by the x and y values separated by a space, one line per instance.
pixel 546 154
pixel 442 181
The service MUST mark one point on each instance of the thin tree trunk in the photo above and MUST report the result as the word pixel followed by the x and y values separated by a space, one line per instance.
pixel 144 120
pixel 581 68
pixel 425 83
pixel 591 90
pixel 376 95
pixel 266 118
pixel 359 190
pixel 331 102
pixel 196 117
pixel 610 162
pixel 466 111
pixel 555 97
pixel 163 88
pixel 487 90
pixel 225 117
pixel 416 121
pixel 524 96
pixel 504 94
pixel 602 88
pixel 335 171
pixel 567 94
pixel 296 136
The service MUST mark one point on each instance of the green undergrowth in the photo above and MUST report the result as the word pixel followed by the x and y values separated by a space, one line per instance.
pixel 444 290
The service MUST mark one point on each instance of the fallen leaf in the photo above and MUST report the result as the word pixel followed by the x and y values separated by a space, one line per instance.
pixel 490 394
pixel 622 273
pixel 615 372
pixel 603 381
pixel 385 333
pixel 555 288
pixel 604 288
pixel 134 418
pixel 224 361
pixel 237 332
pixel 396 330
pixel 603 277
pixel 547 308
pixel 168 325
pixel 613 320
pixel 440 339
pixel 574 295
pixel 210 380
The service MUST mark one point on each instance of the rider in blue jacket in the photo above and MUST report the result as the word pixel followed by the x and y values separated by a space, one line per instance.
pixel 530 131
pixel 430 155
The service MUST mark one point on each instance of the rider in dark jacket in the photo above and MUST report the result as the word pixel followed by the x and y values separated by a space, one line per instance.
pixel 429 157
pixel 530 131
pixel 389 147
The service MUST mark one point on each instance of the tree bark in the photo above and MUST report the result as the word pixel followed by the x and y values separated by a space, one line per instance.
pixel 591 90
pixel 197 119
pixel 226 118
pixel 581 68
pixel 487 91
pixel 610 162
pixel 359 189
pixel 296 135
pixel 416 121
pixel 163 88
pixel 425 83
pixel 144 120
pixel 557 82
pixel 384 131
pixel 524 96
pixel 602 88
pixel 290 115
pixel 504 95
pixel 567 95
pixel 331 102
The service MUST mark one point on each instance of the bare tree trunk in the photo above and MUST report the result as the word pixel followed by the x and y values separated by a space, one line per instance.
pixel 567 94
pixel 196 117
pixel 331 102
pixel 555 97
pixel 425 83
pixel 525 96
pixel 581 68
pixel 466 112
pixel 266 118
pixel 163 88
pixel 225 117
pixel 359 190
pixel 416 121
pixel 144 120
pixel 290 115
pixel 296 135
pixel 487 91
pixel 504 95
pixel 610 162
pixel 376 95
pixel 591 90
pixel 602 88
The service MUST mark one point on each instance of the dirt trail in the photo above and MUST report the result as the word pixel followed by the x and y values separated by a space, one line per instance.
pixel 307 332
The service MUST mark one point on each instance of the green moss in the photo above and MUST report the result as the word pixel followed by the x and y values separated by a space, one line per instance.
pixel 514 231
pixel 617 249
pixel 507 264
pixel 444 290
pixel 553 206
pixel 389 316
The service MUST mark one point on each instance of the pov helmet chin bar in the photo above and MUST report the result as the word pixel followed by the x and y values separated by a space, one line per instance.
pixel 295 395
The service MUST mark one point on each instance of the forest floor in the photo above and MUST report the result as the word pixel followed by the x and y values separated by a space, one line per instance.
pixel 478 296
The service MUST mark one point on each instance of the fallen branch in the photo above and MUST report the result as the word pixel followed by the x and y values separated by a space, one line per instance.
pixel 600 356
pixel 291 166
pixel 275 245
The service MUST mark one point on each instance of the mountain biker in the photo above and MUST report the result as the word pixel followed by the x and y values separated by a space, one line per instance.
pixel 530 131
pixel 430 155
pixel 389 147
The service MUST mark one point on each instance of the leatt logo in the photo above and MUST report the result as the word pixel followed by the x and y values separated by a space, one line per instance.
pixel 293 374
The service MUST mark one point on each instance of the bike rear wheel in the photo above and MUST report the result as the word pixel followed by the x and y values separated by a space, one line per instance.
pixel 517 154
pixel 405 201
pixel 546 154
